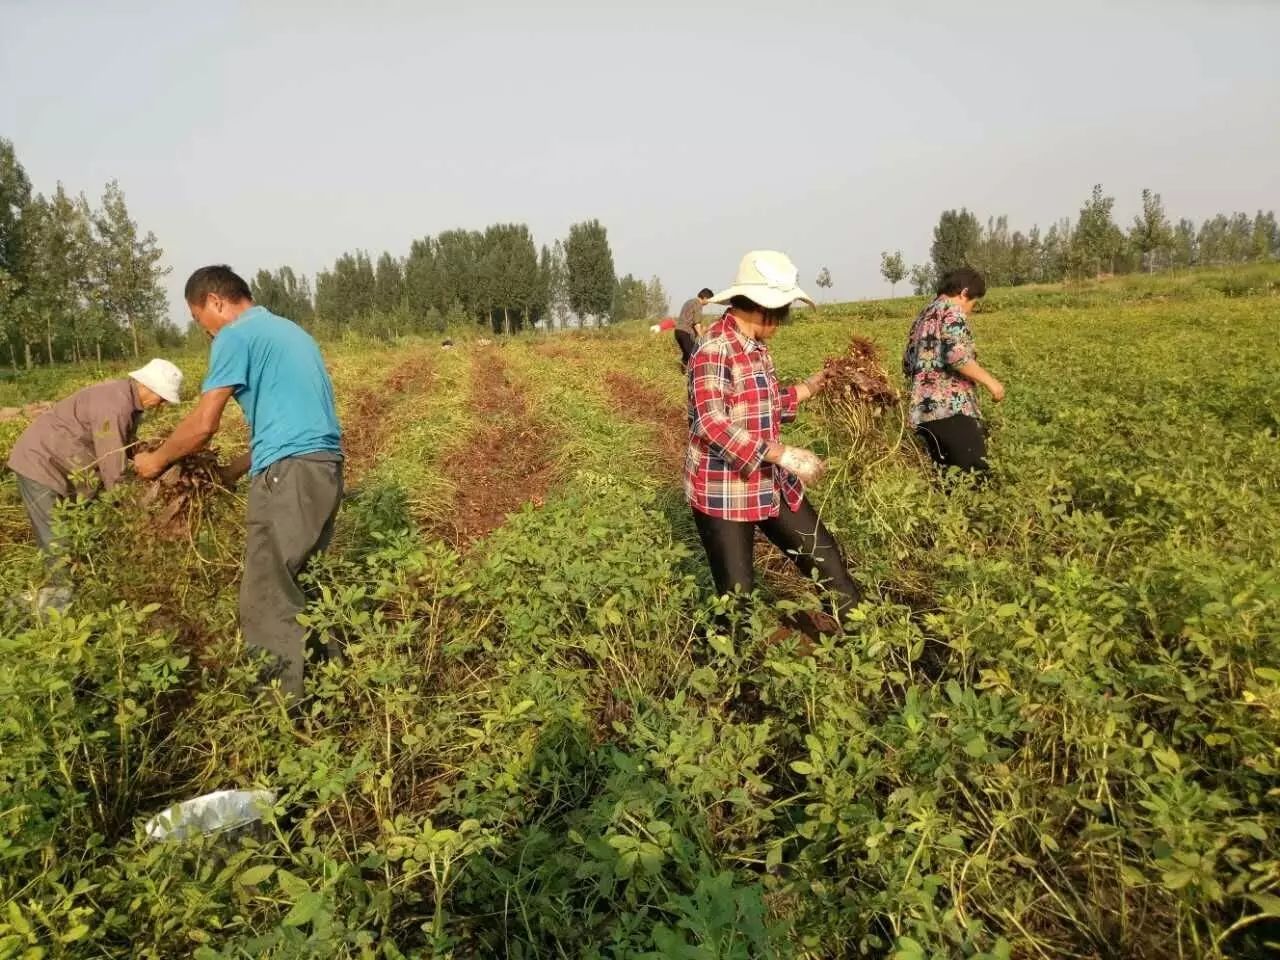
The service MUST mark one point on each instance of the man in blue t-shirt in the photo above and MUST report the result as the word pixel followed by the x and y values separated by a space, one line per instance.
pixel 274 370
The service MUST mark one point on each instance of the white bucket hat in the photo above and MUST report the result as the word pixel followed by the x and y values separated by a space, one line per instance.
pixel 768 278
pixel 162 378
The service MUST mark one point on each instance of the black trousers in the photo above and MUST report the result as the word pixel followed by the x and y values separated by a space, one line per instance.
pixel 957 441
pixel 801 535
pixel 687 344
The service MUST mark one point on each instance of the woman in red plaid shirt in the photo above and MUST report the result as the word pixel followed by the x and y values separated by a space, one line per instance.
pixel 738 476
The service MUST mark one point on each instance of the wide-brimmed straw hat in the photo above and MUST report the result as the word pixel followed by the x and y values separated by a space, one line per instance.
pixel 768 278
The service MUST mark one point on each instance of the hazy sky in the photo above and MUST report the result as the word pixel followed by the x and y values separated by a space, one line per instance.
pixel 268 133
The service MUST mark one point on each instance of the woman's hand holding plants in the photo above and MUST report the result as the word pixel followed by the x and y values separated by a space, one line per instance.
pixel 805 464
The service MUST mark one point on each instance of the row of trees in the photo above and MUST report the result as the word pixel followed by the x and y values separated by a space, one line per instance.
pixel 496 279
pixel 1093 246
pixel 75 281
pixel 81 282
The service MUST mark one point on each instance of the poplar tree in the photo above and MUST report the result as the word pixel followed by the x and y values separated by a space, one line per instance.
pixel 128 268
pixel 388 283
pixel 657 303
pixel 892 267
pixel 1185 252
pixel 56 267
pixel 15 194
pixel 922 279
pixel 559 310
pixel 1266 236
pixel 589 260
pixel 541 311
pixel 1240 248
pixel 1097 239
pixel 284 293
pixel 420 286
pixel 1021 260
pixel 508 275
pixel 823 280
pixel 457 270
pixel 954 239
pixel 630 300
pixel 1151 235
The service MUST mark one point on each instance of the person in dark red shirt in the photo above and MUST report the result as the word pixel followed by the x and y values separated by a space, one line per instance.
pixel 738 475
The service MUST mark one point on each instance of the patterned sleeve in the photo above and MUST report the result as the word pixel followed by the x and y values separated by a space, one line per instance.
pixel 909 354
pixel 957 342
pixel 790 403
pixel 711 376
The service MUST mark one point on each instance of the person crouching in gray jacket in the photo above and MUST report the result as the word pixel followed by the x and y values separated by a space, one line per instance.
pixel 81 445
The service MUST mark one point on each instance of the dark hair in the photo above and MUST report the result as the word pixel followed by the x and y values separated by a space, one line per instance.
pixel 217 279
pixel 706 293
pixel 961 279
pixel 775 314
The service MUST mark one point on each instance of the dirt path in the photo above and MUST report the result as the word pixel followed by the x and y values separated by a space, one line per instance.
pixel 504 463
pixel 368 423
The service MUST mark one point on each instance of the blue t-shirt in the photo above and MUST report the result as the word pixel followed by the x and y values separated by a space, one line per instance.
pixel 280 383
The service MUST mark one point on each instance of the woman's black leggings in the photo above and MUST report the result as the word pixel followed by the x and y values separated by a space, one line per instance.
pixel 957 441
pixel 801 535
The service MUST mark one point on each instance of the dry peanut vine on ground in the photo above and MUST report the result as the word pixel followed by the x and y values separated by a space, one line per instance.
pixel 178 495
pixel 28 412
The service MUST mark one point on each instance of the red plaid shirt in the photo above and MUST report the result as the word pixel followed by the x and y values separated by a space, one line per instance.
pixel 736 408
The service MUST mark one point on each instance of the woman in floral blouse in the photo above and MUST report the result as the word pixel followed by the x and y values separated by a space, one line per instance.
pixel 941 364
pixel 738 475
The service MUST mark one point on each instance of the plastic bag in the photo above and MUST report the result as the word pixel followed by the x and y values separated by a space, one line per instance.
pixel 214 812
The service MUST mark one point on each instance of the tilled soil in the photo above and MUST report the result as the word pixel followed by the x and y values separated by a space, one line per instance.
pixel 641 403
pixel 367 426
pixel 504 463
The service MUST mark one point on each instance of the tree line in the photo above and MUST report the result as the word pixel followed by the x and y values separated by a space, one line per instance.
pixel 496 280
pixel 75 281
pixel 80 282
pixel 1094 245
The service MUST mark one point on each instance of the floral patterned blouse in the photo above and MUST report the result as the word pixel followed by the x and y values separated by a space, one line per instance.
pixel 939 342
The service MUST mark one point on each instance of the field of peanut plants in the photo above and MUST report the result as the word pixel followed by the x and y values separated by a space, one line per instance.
pixel 1054 731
